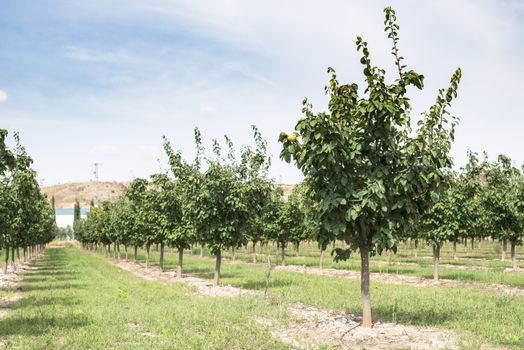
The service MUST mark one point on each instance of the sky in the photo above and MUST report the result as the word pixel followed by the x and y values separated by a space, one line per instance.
pixel 102 80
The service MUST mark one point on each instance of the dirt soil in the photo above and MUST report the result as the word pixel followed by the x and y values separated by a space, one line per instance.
pixel 309 327
pixel 517 270
pixel 403 279
pixel 8 282
pixel 203 286
pixel 312 328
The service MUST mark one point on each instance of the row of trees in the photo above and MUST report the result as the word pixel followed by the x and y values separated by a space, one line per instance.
pixel 372 179
pixel 215 201
pixel 27 219
pixel 484 200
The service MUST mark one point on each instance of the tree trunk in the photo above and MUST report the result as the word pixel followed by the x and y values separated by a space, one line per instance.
pixel 17 254
pixel 201 250
pixel 6 259
pixel 513 255
pixel 455 250
pixel 218 261
pixel 13 257
pixel 465 242
pixel 436 258
pixel 254 252
pixel 180 261
pixel 364 287
pixel 233 253
pixel 472 243
pixel 322 250
pixel 125 250
pixel 283 254
pixel 416 248
pixel 298 248
pixel 148 248
pixel 162 256
pixel 136 253
pixel 504 249
pixel 25 254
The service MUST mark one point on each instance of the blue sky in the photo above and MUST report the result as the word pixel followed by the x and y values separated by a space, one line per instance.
pixel 102 81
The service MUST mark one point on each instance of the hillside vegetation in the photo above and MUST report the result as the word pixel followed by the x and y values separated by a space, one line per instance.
pixel 66 194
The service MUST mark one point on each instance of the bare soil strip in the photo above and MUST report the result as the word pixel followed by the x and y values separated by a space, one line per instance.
pixel 204 287
pixel 8 282
pixel 309 327
pixel 403 279
pixel 517 270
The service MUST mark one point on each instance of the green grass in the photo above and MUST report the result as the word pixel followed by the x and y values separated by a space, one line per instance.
pixel 77 300
pixel 478 315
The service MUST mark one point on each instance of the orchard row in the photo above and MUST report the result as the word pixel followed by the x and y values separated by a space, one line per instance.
pixel 217 200
pixel 27 219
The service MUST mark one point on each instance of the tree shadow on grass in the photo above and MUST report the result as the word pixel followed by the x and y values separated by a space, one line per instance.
pixel 36 325
pixel 32 302
pixel 261 285
pixel 48 278
pixel 26 287
pixel 423 317
pixel 207 274
pixel 49 273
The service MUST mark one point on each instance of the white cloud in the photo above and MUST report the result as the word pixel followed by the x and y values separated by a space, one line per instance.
pixel 3 96
pixel 82 54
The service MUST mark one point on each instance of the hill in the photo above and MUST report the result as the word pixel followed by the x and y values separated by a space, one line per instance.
pixel 66 194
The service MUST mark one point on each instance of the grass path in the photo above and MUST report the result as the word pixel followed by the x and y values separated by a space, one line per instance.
pixel 75 300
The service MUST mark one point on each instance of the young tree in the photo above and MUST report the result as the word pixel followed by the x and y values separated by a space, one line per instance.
pixel 368 172
pixel 504 196
pixel 220 207
pixel 143 233
pixel 441 222
pixel 187 184
pixel 166 216
pixel 269 225
pixel 77 215
pixel 290 223
pixel 257 187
